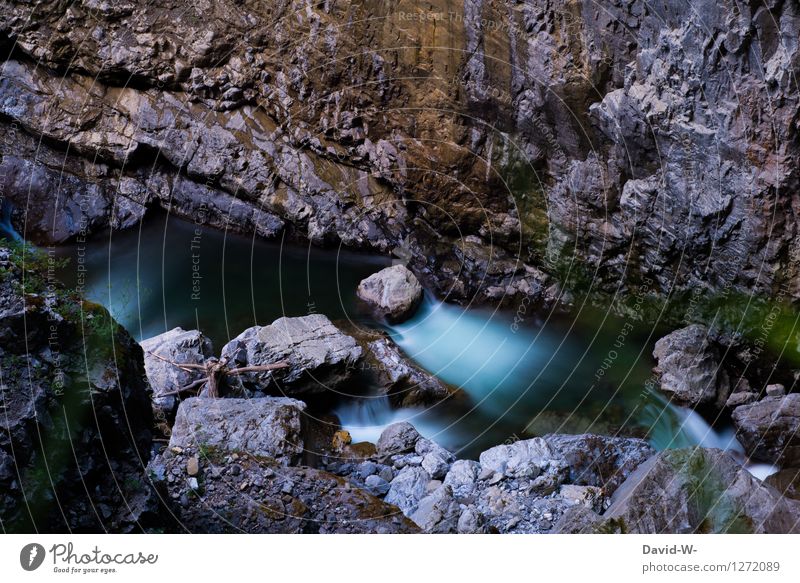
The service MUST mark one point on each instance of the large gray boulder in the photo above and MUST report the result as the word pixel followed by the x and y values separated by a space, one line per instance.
pixel 267 427
pixel 699 490
pixel 769 429
pixel 393 293
pixel 320 356
pixel 690 369
pixel 438 512
pixel 179 346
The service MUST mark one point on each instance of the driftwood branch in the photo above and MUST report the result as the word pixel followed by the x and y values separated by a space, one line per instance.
pixel 214 371
pixel 188 367
pixel 194 386
pixel 263 368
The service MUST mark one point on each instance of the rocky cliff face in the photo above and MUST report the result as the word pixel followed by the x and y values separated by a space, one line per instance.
pixel 489 141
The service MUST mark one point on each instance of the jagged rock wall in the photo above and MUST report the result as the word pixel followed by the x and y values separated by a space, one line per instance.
pixel 489 141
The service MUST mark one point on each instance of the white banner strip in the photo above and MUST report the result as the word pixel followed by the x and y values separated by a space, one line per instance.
pixel 387 558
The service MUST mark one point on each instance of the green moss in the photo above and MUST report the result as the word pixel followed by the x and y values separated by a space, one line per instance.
pixel 525 187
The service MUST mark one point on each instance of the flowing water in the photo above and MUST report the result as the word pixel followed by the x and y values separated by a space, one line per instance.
pixel 523 376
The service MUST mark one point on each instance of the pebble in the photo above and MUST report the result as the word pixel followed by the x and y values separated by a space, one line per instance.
pixel 776 390
pixel 193 466
pixel 192 482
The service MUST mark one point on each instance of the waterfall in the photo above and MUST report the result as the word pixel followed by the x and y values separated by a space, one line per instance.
pixel 673 427
pixel 366 417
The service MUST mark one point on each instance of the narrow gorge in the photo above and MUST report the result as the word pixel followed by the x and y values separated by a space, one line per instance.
pixel 487 266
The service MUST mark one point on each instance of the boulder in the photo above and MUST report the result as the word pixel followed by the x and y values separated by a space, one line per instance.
pixel 320 356
pixel 596 460
pixel 407 488
pixel 529 459
pixel 397 438
pixel 393 293
pixel 246 493
pixel 406 385
pixel 179 346
pixel 438 512
pixel 769 429
pixel 267 427
pixel 462 477
pixel 699 490
pixel 690 369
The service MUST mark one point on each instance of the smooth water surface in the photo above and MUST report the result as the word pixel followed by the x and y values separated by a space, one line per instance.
pixel 169 272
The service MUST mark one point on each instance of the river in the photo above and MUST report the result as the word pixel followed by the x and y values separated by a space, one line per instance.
pixel 524 374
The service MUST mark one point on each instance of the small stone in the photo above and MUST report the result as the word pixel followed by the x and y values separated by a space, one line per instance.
pixel 192 482
pixel 177 450
pixel 776 390
pixel 193 466
pixel 377 485
pixel 367 469
pixel 496 479
pixel 435 465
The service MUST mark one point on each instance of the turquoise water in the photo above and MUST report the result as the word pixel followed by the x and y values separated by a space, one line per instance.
pixel 526 379
pixel 523 375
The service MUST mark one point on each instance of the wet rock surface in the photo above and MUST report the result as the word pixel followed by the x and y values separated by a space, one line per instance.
pixel 406 384
pixel 699 490
pixel 770 429
pixel 320 356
